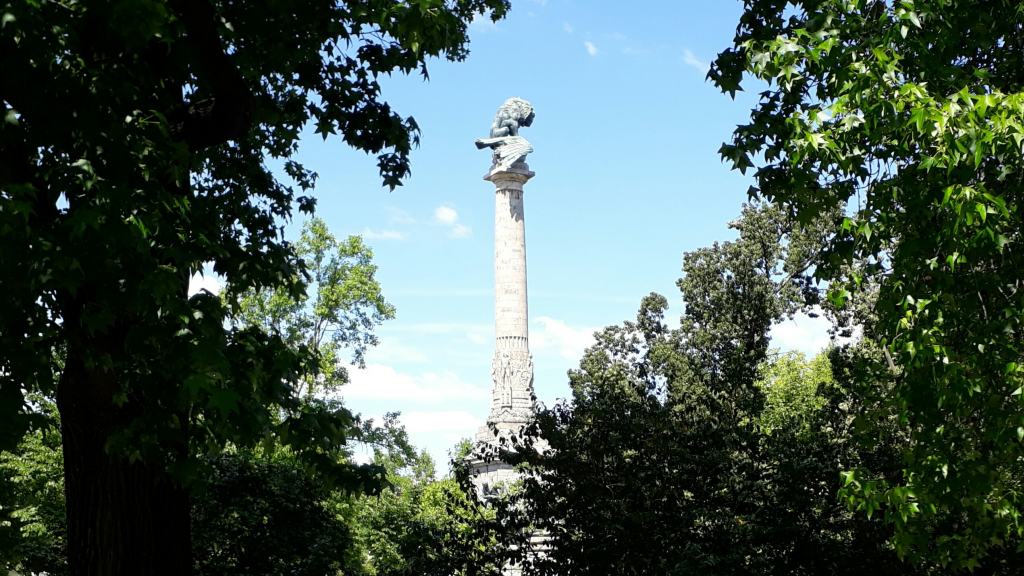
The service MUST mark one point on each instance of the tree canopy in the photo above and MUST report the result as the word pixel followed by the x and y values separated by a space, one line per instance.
pixel 337 313
pixel 901 123
pixel 421 525
pixel 692 450
pixel 136 145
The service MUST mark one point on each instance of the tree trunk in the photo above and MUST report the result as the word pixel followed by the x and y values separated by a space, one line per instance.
pixel 123 517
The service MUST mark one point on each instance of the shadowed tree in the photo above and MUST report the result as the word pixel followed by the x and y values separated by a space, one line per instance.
pixel 685 451
pixel 134 138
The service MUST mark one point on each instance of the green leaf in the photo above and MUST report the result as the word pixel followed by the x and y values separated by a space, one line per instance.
pixel 224 400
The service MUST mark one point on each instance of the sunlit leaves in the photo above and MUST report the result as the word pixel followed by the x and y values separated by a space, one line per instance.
pixel 790 384
pixel 921 152
pixel 421 525
pixel 336 315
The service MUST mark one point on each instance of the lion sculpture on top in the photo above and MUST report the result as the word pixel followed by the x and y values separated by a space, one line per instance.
pixel 515 112
pixel 509 147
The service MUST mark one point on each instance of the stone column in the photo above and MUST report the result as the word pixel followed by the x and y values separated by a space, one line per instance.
pixel 512 403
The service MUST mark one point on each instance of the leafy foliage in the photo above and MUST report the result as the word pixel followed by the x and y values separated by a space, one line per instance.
pixel 106 214
pixel 791 388
pixel 345 305
pixel 256 514
pixel 32 526
pixel 660 464
pixel 264 513
pixel 810 435
pixel 906 118
pixel 134 147
pixel 266 516
pixel 424 526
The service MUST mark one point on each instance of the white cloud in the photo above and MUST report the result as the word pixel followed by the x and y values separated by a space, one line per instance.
pixel 568 28
pixel 206 280
pixel 371 234
pixel 398 217
pixel 591 48
pixel 380 382
pixel 802 334
pixel 362 454
pixel 448 216
pixel 690 59
pixel 460 421
pixel 461 231
pixel 556 336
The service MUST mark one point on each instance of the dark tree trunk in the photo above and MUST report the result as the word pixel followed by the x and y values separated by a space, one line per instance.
pixel 124 518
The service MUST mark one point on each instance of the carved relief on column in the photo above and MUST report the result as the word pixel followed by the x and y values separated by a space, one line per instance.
pixel 512 392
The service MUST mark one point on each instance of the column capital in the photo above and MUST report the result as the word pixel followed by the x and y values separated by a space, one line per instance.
pixel 512 178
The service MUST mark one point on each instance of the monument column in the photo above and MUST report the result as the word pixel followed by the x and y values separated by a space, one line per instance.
pixel 512 404
pixel 512 367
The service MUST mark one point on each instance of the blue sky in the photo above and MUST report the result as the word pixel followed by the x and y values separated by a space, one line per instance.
pixel 627 178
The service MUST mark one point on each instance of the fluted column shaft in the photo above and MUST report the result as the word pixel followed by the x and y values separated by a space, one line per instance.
pixel 512 367
pixel 510 306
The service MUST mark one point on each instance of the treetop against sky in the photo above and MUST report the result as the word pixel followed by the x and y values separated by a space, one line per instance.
pixel 628 178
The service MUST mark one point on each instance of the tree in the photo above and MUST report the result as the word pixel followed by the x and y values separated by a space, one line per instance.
pixel 132 151
pixel 681 452
pixel 905 119
pixel 421 525
pixel 256 513
pixel 32 525
pixel 791 388
pixel 808 437
pixel 260 515
pixel 345 305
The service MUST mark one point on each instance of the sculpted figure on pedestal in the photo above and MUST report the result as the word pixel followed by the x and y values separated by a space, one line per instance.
pixel 509 147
